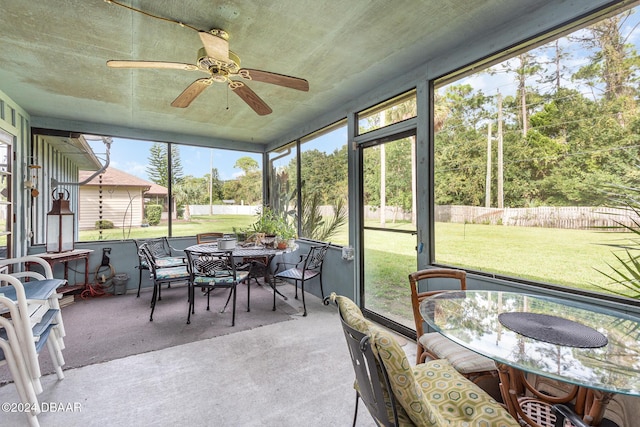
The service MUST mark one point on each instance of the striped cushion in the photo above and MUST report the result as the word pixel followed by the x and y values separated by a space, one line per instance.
pixel 170 261
pixel 220 280
pixel 172 273
pixel 463 360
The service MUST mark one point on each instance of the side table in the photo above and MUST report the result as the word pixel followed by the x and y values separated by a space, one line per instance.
pixel 65 258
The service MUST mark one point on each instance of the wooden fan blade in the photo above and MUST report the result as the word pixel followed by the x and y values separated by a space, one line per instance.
pixel 216 47
pixel 191 92
pixel 152 64
pixel 250 97
pixel 273 78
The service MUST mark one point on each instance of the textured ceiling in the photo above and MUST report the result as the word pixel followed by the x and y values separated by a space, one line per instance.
pixel 53 55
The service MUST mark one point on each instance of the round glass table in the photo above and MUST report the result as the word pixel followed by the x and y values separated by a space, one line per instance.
pixel 580 344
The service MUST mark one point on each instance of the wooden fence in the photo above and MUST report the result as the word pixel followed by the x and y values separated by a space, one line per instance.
pixel 573 217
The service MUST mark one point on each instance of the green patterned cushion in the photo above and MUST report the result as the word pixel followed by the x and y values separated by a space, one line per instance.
pixel 353 317
pixel 434 393
pixel 351 313
pixel 404 386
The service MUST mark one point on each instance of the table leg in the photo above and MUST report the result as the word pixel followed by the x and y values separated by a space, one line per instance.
pixel 590 404
pixel 86 271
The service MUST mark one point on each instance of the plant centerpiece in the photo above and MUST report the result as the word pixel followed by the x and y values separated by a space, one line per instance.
pixel 266 227
pixel 287 233
pixel 270 228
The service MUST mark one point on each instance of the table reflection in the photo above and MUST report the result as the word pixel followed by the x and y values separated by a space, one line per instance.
pixel 471 319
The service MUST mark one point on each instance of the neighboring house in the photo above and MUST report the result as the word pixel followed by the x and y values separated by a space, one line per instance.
pixel 116 196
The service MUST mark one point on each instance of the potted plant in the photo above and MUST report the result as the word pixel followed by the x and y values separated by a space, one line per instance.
pixel 287 233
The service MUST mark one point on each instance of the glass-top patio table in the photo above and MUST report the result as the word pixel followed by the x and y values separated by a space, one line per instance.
pixel 593 348
pixel 254 251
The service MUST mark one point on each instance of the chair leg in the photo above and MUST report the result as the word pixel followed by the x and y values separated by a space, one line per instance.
pixel 273 285
pixel 321 289
pixel 355 412
pixel 153 301
pixel 304 305
pixel 233 311
pixel 249 294
pixel 190 295
pixel 139 281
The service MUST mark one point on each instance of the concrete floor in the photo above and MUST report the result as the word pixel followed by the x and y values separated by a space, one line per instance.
pixel 295 373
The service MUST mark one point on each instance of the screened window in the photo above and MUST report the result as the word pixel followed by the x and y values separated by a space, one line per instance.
pixel 153 189
pixel 534 155
pixel 6 140
pixel 324 185
pixel 283 194
pixel 395 110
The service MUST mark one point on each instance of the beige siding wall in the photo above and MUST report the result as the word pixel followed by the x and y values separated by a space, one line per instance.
pixel 122 206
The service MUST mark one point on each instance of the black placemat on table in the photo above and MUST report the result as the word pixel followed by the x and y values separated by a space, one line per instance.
pixel 553 329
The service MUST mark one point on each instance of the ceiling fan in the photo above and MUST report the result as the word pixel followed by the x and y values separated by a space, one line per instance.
pixel 223 66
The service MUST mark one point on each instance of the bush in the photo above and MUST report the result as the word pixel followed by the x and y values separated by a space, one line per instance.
pixel 103 224
pixel 153 214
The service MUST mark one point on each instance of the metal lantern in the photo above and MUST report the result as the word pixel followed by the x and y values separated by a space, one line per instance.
pixel 60 225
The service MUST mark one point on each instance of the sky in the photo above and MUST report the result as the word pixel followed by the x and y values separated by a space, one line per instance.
pixel 132 156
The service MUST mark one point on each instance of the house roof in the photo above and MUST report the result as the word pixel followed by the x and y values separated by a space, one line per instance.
pixel 116 178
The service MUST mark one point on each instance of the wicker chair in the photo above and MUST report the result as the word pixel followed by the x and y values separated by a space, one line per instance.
pixel 432 345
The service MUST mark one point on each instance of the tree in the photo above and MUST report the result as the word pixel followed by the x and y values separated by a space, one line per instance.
pixel 613 62
pixel 249 188
pixel 158 168
pixel 189 190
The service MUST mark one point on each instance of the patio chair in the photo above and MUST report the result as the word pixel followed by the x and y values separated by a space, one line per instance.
pixel 208 237
pixel 428 394
pixel 161 273
pixel 34 322
pixel 163 252
pixel 210 271
pixel 39 286
pixel 432 345
pixel 12 357
pixel 307 268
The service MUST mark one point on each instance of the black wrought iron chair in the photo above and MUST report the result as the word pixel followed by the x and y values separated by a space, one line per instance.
pixel 162 251
pixel 307 268
pixel 210 271
pixel 369 379
pixel 161 273
pixel 396 393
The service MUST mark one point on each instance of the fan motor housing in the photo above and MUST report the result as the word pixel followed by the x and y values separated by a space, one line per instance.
pixel 217 67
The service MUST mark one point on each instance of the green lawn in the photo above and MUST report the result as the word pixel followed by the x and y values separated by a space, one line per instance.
pixel 562 257
pixel 565 257
pixel 198 224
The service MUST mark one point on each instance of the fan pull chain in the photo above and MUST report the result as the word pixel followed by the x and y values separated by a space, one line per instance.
pixel 227 97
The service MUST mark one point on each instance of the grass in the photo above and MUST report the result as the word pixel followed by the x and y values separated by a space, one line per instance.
pixel 197 224
pixel 562 257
